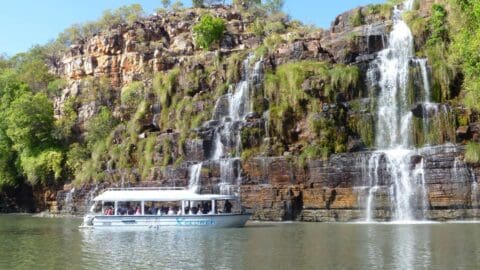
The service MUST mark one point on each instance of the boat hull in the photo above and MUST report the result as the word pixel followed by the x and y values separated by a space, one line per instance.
pixel 155 222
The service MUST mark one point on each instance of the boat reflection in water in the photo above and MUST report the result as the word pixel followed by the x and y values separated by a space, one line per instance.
pixel 162 207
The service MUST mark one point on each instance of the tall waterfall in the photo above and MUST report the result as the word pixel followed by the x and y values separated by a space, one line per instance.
pixel 227 143
pixel 394 140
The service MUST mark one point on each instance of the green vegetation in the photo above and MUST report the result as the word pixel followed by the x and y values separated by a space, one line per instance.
pixel 290 102
pixel 357 18
pixel 208 30
pixel 131 95
pixel 472 153
pixel 197 3
pixel 465 48
pixel 28 147
pixel 125 14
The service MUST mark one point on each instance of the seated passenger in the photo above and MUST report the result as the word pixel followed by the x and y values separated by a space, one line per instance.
pixel 170 211
pixel 138 211
pixel 153 210
pixel 130 211
pixel 227 208
pixel 194 210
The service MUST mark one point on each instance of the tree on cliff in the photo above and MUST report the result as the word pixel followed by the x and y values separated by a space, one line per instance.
pixel 197 3
pixel 208 31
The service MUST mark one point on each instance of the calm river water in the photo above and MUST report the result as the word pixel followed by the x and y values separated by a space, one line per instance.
pixel 39 243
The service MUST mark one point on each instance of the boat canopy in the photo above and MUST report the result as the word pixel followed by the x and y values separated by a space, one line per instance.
pixel 165 195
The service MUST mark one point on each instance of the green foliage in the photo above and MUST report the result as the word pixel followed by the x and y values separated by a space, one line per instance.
pixel 251 137
pixel 289 102
pixel 234 65
pixel 329 136
pixel 30 122
pixel 42 167
pixel 177 6
pixel 132 94
pixel 166 3
pixel 7 161
pixel 100 126
pixel 257 28
pixel 464 20
pixel 249 153
pixel 312 152
pixel 472 153
pixel 384 10
pixel 438 25
pixel 418 25
pixel 68 120
pixel 165 84
pixel 125 14
pixel 55 87
pixel 208 30
pixel 76 157
pixel 357 18
pixel 97 89
pixel 30 67
pixel 246 4
pixel 197 3
pixel 273 6
pixel 363 125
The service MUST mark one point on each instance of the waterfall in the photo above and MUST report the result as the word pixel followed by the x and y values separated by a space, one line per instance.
pixel 69 207
pixel 372 174
pixel 394 140
pixel 89 199
pixel 461 171
pixel 194 179
pixel 475 198
pixel 226 145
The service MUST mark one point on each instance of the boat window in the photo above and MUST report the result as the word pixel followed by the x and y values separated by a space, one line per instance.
pixel 108 208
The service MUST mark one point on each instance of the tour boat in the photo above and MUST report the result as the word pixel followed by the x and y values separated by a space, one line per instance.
pixel 161 207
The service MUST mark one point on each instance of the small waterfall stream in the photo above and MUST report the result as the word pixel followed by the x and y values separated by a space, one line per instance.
pixel 69 206
pixel 194 180
pixel 227 142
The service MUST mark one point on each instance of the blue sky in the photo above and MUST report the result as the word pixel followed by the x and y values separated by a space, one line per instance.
pixel 24 23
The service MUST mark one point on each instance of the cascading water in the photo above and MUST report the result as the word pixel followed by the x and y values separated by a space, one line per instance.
pixel 394 139
pixel 461 171
pixel 227 143
pixel 194 181
pixel 69 207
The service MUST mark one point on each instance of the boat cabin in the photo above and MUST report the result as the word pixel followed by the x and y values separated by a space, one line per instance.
pixel 163 202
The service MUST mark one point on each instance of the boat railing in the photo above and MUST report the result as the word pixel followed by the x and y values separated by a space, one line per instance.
pixel 145 188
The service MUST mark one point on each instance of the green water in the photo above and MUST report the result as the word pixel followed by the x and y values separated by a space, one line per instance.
pixel 38 243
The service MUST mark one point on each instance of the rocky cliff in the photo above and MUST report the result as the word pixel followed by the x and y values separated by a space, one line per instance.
pixel 314 92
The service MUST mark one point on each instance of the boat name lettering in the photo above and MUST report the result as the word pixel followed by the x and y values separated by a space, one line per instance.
pixel 198 222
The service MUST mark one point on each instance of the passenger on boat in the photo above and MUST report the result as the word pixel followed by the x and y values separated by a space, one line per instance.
pixel 122 211
pixel 171 212
pixel 206 207
pixel 153 210
pixel 138 211
pixel 194 210
pixel 164 210
pixel 187 209
pixel 131 211
pixel 227 208
pixel 109 211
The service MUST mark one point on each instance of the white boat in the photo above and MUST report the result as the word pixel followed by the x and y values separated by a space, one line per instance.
pixel 160 207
